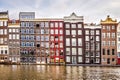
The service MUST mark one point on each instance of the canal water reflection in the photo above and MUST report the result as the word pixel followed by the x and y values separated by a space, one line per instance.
pixel 42 72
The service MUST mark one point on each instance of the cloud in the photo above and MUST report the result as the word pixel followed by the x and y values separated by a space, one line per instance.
pixel 92 10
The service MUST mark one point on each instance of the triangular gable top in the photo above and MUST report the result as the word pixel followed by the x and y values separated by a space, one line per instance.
pixel 73 16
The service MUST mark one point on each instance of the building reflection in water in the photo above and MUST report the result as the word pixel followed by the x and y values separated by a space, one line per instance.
pixel 42 72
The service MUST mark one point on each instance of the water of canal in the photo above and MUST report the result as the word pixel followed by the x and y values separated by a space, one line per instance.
pixel 42 72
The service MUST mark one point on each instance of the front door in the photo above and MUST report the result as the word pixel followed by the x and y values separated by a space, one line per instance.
pixel 74 60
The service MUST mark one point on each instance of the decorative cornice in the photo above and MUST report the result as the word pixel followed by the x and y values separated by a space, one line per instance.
pixel 108 20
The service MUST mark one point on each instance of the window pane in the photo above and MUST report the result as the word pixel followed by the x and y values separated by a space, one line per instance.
pixel 73 25
pixel 67 58
pixel 80 59
pixel 67 25
pixel 79 32
pixel 73 51
pixel 73 42
pixel 79 51
pixel 73 32
pixel 79 42
pixel 79 25
pixel 67 42
pixel 67 51
pixel 67 32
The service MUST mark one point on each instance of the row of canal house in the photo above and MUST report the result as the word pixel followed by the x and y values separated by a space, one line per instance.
pixel 58 40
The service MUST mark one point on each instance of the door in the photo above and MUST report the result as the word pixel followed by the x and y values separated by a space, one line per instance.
pixel 108 61
pixel 74 61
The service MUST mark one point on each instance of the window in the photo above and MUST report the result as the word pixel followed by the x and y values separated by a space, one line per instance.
pixel 1 51
pixel 97 46
pixel 92 46
pixel 17 30
pixel 5 51
pixel 67 42
pixel 73 42
pixel 10 30
pixel 86 38
pixel 92 54
pixel 42 31
pixel 97 38
pixel 113 27
pixel 46 31
pixel 73 32
pixel 92 32
pixel 46 38
pixel 5 23
pixel 67 51
pixel 113 51
pixel 113 59
pixel 46 24
pixel 97 60
pixel 42 24
pixel 87 32
pixel 51 25
pixel 118 38
pixel 52 31
pixel 61 24
pixel 10 36
pixel 61 38
pixel 80 59
pixel 103 27
pixel 17 36
pixel 108 52
pixel 52 38
pixel 108 28
pixel 1 31
pixel 108 43
pixel 67 58
pixel 1 40
pixel 67 32
pixel 73 25
pixel 87 54
pixel 97 32
pixel 79 32
pixel 61 31
pixel 38 38
pixel 87 46
pixel 118 54
pixel 79 25
pixel 79 51
pixel 103 51
pixel 113 43
pixel 13 30
pixel 79 41
pixel 108 35
pixel 67 25
pixel 5 31
pixel 61 45
pixel 103 35
pixel 56 31
pixel 56 24
pixel 42 38
pixel 103 43
pixel 87 60
pixel 73 51
pixel 113 35
pixel 1 23
pixel 97 54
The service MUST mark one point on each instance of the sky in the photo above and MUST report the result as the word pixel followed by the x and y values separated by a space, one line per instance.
pixel 92 10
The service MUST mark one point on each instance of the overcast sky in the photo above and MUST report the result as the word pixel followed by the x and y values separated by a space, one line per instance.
pixel 92 10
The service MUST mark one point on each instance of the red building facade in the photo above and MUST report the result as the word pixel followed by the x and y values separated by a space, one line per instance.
pixel 56 41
